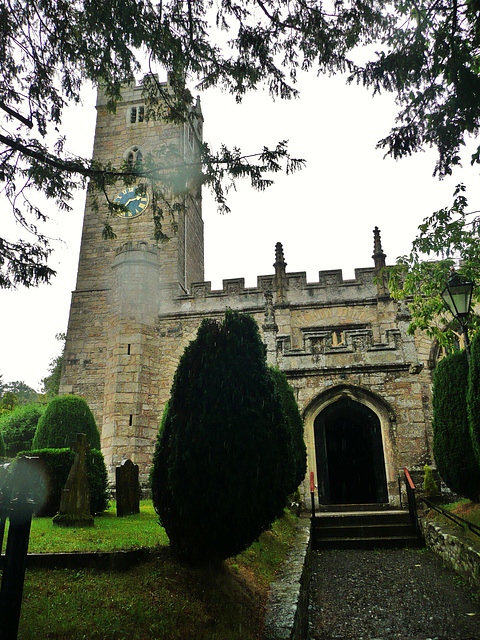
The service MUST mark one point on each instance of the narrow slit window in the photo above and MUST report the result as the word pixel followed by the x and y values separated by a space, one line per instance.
pixel 128 350
pixel 130 421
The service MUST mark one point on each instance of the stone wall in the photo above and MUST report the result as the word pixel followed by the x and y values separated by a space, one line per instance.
pixel 455 548
pixel 286 617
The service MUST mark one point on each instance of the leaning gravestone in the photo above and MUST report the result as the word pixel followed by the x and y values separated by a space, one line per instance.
pixel 127 488
pixel 75 500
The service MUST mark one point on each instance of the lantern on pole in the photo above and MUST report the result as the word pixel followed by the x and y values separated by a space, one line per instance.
pixel 457 296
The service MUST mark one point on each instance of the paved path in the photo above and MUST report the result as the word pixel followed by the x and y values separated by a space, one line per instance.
pixel 389 594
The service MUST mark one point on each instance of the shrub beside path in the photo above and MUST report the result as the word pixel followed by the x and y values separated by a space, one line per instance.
pixel 391 594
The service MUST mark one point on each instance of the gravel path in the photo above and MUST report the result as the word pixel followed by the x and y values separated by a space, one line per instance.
pixel 391 594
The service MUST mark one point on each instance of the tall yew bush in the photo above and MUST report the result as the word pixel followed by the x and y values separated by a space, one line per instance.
pixel 218 478
pixel 452 445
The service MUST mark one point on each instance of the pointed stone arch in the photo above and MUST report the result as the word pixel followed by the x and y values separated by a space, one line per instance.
pixel 361 406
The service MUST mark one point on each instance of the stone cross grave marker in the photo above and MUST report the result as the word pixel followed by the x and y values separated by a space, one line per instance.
pixel 75 500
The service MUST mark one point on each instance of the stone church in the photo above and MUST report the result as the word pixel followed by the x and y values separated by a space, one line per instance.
pixel 362 383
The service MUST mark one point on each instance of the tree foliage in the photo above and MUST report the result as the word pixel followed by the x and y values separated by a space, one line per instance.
pixel 452 445
pixel 24 393
pixel 425 52
pixel 3 448
pixel 8 402
pixel 64 417
pixel 18 427
pixel 448 239
pixel 51 382
pixel 221 471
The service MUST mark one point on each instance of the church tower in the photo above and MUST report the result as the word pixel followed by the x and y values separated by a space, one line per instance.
pixel 125 282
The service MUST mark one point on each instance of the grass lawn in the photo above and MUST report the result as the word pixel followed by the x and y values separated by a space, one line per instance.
pixel 109 533
pixel 158 599
pixel 465 509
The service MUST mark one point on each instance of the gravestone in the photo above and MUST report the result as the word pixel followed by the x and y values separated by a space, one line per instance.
pixel 75 499
pixel 127 488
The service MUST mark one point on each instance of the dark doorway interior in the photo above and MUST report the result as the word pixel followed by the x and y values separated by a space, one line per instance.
pixel 349 450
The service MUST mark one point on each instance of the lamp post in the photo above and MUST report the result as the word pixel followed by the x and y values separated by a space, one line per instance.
pixel 457 296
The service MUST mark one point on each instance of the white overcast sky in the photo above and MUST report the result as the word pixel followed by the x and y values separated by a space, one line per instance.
pixel 324 215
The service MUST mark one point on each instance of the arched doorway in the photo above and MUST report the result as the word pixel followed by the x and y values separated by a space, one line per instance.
pixel 349 454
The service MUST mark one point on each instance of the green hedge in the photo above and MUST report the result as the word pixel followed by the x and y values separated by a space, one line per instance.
pixel 2 446
pixel 18 427
pixel 64 417
pixel 56 465
pixel 452 445
pixel 473 396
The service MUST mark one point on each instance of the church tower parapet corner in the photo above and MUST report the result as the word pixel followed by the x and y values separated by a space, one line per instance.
pixel 281 280
pixel 381 276
pixel 140 245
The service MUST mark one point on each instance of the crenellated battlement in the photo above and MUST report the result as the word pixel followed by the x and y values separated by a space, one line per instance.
pixel 146 247
pixel 330 283
pixel 132 91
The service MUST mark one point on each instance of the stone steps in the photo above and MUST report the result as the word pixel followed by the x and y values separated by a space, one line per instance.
pixel 363 528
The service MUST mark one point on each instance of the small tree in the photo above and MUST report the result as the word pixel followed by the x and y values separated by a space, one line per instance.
pixel 64 417
pixel 19 427
pixel 51 382
pixel 452 445
pixel 8 402
pixel 430 487
pixel 218 478
pixel 23 392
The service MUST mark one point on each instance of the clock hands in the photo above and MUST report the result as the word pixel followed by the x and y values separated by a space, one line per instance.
pixel 134 205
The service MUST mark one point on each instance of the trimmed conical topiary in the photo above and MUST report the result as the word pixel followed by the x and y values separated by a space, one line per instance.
pixel 64 417
pixel 219 478
pixel 452 445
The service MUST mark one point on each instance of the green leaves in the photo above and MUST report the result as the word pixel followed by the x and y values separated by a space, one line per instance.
pixel 427 53
pixel 449 238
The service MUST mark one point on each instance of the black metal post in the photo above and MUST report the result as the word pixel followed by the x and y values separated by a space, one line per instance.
pixel 14 568
pixel 312 494
pixel 412 502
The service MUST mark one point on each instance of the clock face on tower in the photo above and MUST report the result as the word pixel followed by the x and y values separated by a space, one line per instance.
pixel 135 202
